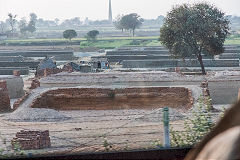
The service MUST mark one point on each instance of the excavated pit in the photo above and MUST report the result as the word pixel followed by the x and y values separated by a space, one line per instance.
pixel 114 99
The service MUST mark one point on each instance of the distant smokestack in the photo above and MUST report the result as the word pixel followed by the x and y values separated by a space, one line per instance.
pixel 110 12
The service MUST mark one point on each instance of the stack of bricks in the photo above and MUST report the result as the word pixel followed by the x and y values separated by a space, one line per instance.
pixel 206 93
pixel 32 140
pixel 16 73
pixel 4 97
pixel 49 71
pixel 46 72
pixel 67 68
pixel 35 84
pixel 191 99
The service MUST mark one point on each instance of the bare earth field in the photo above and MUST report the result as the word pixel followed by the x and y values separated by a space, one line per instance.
pixel 104 130
pixel 88 131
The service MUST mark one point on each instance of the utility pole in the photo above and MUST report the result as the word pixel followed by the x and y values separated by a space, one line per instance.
pixel 166 127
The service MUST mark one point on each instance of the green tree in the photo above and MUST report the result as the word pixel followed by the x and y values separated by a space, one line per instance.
pixel 131 22
pixel 92 35
pixel 32 23
pixel 23 26
pixel 117 23
pixel 191 30
pixel 69 34
pixel 12 21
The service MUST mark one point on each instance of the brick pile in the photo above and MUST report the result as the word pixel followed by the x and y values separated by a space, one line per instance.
pixel 68 68
pixel 46 72
pixel 4 97
pixel 16 73
pixel 35 84
pixel 32 140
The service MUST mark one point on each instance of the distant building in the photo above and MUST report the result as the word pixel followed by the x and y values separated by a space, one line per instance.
pixel 110 12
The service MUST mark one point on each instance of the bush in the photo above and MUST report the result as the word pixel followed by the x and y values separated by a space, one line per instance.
pixel 195 128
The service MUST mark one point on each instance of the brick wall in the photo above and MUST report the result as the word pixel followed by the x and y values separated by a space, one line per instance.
pixel 29 140
pixel 46 72
pixel 108 99
pixel 35 84
pixel 4 97
pixel 20 101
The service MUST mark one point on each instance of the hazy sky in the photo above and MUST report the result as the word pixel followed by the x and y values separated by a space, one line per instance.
pixel 98 9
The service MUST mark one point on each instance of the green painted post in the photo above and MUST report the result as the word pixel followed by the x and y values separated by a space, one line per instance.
pixel 166 127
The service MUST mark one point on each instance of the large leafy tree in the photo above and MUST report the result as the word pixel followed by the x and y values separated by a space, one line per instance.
pixel 69 34
pixel 131 22
pixel 23 26
pixel 92 35
pixel 117 23
pixel 32 23
pixel 28 27
pixel 191 30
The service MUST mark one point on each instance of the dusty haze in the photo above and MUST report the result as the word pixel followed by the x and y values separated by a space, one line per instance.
pixel 98 9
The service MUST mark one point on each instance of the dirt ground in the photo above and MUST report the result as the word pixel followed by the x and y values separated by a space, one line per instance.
pixel 99 131
pixel 87 130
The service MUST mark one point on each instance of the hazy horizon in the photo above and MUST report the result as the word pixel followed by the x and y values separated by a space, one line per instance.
pixel 98 9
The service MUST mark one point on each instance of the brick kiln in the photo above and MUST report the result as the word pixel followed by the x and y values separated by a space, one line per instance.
pixel 32 140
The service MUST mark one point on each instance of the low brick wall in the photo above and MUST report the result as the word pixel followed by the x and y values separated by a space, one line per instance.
pixel 20 101
pixel 4 97
pixel 113 99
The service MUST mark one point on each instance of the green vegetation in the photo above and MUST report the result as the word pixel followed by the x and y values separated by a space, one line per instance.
pixel 129 22
pixel 106 145
pixel 8 151
pixel 69 34
pixel 111 44
pixel 235 41
pixel 195 127
pixel 92 35
pixel 101 43
pixel 194 30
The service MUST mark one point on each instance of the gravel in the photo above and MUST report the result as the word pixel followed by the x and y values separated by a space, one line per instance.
pixel 26 114
pixel 36 115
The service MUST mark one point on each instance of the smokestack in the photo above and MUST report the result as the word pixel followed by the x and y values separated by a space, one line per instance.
pixel 110 12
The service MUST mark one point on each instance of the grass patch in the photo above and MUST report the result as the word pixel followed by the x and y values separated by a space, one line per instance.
pixel 113 43
pixel 235 41
pixel 101 43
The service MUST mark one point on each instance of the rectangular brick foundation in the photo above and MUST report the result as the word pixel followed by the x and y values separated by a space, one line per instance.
pixel 113 99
